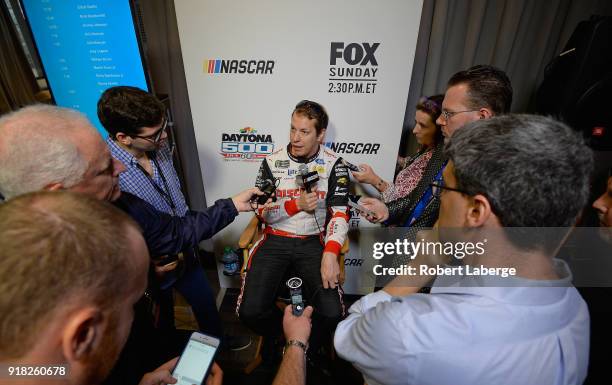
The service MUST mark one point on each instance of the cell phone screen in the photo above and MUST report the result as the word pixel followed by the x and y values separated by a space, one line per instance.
pixel 193 365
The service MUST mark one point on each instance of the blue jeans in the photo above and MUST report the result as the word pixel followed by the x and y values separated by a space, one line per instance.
pixel 194 287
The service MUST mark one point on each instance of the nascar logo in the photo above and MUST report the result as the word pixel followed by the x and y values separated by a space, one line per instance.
pixel 221 66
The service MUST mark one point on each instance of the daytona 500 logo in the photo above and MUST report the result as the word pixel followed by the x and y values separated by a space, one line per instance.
pixel 247 145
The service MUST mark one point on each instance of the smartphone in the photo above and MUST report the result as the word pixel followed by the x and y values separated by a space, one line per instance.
pixel 197 358
pixel 361 208
pixel 351 166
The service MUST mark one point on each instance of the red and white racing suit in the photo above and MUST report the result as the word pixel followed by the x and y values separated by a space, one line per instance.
pixel 294 240
pixel 283 216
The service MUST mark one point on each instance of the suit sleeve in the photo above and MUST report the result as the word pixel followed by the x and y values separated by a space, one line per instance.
pixel 338 213
pixel 167 234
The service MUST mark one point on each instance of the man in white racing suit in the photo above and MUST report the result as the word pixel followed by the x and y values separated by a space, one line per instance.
pixel 304 229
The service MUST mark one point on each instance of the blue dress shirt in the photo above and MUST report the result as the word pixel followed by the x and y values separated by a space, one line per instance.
pixel 136 182
pixel 535 332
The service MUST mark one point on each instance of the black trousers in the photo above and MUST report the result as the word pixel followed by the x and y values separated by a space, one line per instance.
pixel 272 259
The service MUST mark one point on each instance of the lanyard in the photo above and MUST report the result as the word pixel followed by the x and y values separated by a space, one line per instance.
pixel 165 194
pixel 424 202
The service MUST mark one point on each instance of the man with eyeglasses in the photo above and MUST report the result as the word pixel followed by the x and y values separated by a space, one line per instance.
pixel 51 148
pixel 528 328
pixel 137 124
pixel 480 92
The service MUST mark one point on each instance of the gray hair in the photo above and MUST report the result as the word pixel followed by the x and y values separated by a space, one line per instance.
pixel 36 149
pixel 534 170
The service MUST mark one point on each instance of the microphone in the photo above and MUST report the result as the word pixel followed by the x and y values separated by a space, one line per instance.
pixel 307 179
pixel 302 172
pixel 295 288
pixel 268 187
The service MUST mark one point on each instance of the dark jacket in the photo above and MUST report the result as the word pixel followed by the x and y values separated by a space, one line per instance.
pixel 147 346
pixel 401 208
pixel 166 234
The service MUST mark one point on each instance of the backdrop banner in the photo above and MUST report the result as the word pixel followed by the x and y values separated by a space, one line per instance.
pixel 249 63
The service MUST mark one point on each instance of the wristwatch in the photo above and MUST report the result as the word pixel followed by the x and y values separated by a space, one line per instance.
pixel 297 343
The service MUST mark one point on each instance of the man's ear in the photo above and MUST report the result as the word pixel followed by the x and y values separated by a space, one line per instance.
pixel 321 135
pixel 54 186
pixel 485 113
pixel 479 211
pixel 123 138
pixel 82 333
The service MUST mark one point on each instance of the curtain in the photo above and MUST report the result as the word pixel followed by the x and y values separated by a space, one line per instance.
pixel 519 36
pixel 17 83
pixel 165 62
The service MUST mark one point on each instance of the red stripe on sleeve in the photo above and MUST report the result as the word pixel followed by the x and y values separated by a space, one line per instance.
pixel 291 207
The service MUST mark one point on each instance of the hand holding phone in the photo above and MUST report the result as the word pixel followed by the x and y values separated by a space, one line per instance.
pixel 297 328
pixel 351 166
pixel 297 303
pixel 196 360
pixel 361 209
pixel 160 375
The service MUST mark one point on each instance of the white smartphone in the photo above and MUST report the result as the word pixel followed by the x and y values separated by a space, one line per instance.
pixel 361 208
pixel 197 358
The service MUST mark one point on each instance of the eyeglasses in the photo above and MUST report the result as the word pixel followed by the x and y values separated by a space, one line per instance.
pixel 436 189
pixel 156 136
pixel 446 114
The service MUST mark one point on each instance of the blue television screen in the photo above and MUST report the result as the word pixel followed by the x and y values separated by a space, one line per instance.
pixel 85 47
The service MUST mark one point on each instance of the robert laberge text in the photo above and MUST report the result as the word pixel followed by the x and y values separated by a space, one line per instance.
pixel 466 270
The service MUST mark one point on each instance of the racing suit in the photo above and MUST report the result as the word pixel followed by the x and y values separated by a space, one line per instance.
pixel 294 241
